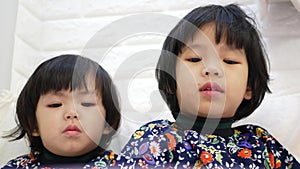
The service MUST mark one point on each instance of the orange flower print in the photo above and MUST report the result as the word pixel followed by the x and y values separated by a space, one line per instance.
pixel 271 156
pixel 154 148
pixel 274 164
pixel 31 156
pixel 278 164
pixel 172 141
pixel 245 153
pixel 24 162
pixel 206 157
pixel 111 156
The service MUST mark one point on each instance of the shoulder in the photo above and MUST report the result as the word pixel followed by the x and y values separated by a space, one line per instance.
pixel 157 123
pixel 252 129
pixel 24 161
pixel 157 127
pixel 274 152
pixel 256 132
pixel 261 139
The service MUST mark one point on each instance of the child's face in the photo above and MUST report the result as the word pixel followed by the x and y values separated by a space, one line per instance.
pixel 71 123
pixel 211 78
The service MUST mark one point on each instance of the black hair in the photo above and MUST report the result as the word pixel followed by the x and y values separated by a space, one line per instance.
pixel 238 30
pixel 64 72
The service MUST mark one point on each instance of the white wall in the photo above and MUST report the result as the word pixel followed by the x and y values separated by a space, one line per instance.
pixel 8 14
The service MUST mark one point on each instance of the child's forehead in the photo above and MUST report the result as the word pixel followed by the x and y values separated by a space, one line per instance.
pixel 210 26
pixel 202 39
pixel 205 33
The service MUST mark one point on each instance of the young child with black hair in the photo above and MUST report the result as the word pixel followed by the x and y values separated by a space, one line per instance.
pixel 212 72
pixel 68 110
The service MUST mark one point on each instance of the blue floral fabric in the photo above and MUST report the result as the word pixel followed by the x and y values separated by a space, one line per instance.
pixel 30 161
pixel 160 144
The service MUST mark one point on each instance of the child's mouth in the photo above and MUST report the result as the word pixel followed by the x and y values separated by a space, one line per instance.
pixel 211 89
pixel 72 130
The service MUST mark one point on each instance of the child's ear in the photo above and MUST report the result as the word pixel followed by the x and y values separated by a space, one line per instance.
pixel 248 93
pixel 35 132
pixel 107 129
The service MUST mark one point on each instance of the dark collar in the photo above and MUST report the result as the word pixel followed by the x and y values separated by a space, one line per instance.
pixel 215 126
pixel 47 157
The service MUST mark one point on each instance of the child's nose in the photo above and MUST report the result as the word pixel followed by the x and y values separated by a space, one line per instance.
pixel 211 71
pixel 71 114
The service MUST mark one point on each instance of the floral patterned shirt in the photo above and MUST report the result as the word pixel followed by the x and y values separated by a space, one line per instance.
pixel 160 144
pixel 30 161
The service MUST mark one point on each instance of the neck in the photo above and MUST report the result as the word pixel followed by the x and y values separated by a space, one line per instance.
pixel 215 126
pixel 47 157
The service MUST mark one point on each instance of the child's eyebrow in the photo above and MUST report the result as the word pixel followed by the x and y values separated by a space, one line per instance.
pixel 194 46
pixel 231 48
pixel 57 93
pixel 226 47
pixel 86 92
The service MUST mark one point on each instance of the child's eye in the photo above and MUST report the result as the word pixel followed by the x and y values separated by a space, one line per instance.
pixel 230 61
pixel 194 59
pixel 88 104
pixel 54 105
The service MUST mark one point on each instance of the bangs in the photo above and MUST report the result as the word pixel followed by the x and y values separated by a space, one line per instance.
pixel 233 26
pixel 69 74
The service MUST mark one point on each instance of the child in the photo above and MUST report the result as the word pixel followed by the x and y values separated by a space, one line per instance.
pixel 68 110
pixel 210 76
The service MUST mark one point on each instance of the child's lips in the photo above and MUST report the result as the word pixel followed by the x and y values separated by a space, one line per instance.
pixel 211 89
pixel 72 130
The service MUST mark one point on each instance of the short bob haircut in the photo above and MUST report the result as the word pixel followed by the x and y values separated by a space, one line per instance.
pixel 238 30
pixel 64 72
